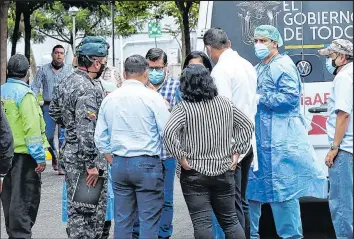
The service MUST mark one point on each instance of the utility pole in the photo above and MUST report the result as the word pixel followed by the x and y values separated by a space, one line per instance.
pixel 113 49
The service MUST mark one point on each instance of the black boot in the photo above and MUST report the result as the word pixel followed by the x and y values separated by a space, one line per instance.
pixel 106 229
pixel 67 231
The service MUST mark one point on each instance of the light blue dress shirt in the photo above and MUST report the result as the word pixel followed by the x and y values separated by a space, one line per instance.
pixel 131 121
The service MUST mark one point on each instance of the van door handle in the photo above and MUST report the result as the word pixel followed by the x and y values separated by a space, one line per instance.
pixel 318 110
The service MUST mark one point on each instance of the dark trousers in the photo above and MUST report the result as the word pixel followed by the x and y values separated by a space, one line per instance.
pixel 241 180
pixel 204 194
pixel 138 182
pixel 21 196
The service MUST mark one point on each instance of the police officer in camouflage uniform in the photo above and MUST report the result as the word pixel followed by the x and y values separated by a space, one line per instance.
pixel 75 106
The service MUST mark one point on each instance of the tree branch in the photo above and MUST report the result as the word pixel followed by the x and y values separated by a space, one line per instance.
pixel 59 31
pixel 98 21
pixel 180 6
pixel 188 6
pixel 51 36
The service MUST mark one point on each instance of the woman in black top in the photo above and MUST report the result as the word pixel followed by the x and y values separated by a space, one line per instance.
pixel 206 133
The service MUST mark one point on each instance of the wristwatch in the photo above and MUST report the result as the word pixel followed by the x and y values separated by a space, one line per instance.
pixel 334 147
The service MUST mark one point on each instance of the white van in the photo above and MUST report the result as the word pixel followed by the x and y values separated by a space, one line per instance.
pixel 305 26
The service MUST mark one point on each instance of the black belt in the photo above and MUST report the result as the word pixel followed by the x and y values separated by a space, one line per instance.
pixel 46 102
pixel 144 155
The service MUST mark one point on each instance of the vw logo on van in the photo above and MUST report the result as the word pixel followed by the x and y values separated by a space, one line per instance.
pixel 304 68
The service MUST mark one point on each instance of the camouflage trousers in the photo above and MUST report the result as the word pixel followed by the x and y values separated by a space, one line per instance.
pixel 83 222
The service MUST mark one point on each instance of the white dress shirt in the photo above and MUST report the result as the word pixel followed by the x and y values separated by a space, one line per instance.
pixel 236 79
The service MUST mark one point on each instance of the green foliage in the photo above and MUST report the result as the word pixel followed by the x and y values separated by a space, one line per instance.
pixel 131 16
pixel 169 8
pixel 54 20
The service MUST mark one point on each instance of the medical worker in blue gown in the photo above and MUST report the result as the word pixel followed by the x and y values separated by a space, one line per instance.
pixel 288 167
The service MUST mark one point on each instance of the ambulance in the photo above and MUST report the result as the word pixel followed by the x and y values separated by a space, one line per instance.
pixel 305 26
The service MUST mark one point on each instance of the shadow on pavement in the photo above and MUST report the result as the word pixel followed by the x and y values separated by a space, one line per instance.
pixel 316 221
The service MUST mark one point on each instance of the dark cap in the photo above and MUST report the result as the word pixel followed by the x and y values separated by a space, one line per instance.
pixel 94 39
pixel 93 49
pixel 17 66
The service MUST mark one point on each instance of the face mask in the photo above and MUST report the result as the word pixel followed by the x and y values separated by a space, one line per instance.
pixel 156 76
pixel 261 51
pixel 99 73
pixel 331 65
pixel 57 67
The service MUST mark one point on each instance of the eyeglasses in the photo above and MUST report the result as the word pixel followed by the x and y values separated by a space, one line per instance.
pixel 58 53
pixel 156 68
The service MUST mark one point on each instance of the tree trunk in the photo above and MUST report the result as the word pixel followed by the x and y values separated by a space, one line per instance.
pixel 4 7
pixel 184 7
pixel 187 36
pixel 183 50
pixel 16 33
pixel 28 28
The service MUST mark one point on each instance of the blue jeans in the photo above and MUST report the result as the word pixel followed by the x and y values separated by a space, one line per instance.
pixel 137 183
pixel 166 227
pixel 49 132
pixel 341 194
pixel 286 216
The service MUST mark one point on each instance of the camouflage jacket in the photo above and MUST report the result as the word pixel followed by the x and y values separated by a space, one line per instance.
pixel 75 105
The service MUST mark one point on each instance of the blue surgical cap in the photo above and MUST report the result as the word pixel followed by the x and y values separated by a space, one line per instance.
pixel 270 32
pixel 93 49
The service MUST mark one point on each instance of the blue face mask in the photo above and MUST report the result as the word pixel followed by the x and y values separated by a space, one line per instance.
pixel 156 76
pixel 329 65
pixel 261 51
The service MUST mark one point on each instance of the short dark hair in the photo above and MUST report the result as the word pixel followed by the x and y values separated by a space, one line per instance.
pixel 216 38
pixel 58 46
pixel 198 54
pixel 83 60
pixel 197 84
pixel 155 54
pixel 18 66
pixel 135 64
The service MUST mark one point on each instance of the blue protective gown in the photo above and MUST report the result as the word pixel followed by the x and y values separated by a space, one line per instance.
pixel 288 166
pixel 110 200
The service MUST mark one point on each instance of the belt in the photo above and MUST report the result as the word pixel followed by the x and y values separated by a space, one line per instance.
pixel 46 102
pixel 144 155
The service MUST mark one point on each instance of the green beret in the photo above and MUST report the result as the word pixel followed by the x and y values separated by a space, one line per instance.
pixel 93 49
pixel 94 39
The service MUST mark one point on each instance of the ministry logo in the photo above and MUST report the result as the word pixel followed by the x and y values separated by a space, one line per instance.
pixel 256 13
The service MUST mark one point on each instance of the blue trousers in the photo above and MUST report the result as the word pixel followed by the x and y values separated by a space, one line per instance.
pixel 138 182
pixel 341 194
pixel 166 227
pixel 286 216
pixel 49 132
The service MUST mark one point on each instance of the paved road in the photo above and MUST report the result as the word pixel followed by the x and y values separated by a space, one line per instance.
pixel 49 223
